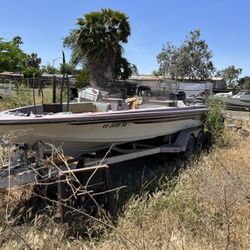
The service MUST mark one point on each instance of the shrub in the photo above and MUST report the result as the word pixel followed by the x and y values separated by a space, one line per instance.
pixel 214 125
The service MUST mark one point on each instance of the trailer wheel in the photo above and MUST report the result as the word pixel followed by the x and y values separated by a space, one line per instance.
pixel 199 142
pixel 190 146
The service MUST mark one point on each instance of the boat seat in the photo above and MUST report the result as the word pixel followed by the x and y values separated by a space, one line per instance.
pixel 78 107
pixel 82 107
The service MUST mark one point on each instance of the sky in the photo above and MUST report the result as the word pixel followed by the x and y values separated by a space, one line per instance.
pixel 224 25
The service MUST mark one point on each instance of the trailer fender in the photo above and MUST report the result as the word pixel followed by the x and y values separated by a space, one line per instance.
pixel 184 136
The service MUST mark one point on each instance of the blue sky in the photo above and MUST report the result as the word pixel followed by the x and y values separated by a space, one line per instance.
pixel 224 24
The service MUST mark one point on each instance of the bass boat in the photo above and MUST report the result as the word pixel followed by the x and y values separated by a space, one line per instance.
pixel 90 126
pixel 239 101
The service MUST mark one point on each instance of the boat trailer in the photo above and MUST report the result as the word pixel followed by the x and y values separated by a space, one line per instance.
pixel 34 166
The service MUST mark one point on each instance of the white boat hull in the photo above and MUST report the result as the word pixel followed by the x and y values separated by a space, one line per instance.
pixel 78 133
pixel 83 138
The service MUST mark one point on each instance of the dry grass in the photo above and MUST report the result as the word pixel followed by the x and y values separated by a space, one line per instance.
pixel 24 97
pixel 206 206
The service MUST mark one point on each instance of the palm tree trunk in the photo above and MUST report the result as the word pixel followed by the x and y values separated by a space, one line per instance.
pixel 97 72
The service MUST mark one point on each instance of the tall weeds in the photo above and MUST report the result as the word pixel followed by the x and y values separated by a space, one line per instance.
pixel 24 97
pixel 206 206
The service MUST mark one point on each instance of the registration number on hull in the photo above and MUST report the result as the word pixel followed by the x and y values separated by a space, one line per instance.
pixel 115 125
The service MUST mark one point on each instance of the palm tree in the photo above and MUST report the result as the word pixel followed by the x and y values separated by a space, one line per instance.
pixel 97 42
pixel 33 61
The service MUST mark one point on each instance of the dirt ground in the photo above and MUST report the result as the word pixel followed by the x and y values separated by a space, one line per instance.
pixel 237 115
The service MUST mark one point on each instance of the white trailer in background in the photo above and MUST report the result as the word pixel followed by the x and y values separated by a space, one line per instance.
pixel 190 88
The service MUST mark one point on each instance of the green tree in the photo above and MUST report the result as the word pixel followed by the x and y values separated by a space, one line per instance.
pixel 32 66
pixel 82 77
pixel 122 68
pixel 167 60
pixel 134 69
pixel 191 60
pixel 67 68
pixel 156 72
pixel 11 55
pixel 97 43
pixel 17 41
pixel 32 60
pixel 244 83
pixel 29 72
pixel 50 69
pixel 230 75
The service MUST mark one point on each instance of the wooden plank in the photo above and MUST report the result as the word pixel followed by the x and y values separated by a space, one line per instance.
pixel 29 177
pixel 25 177
pixel 110 195
pixel 84 169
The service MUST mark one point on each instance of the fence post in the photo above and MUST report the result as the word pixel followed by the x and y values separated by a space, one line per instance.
pixel 54 89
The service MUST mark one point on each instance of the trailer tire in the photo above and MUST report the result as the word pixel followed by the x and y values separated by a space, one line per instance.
pixel 199 142
pixel 190 146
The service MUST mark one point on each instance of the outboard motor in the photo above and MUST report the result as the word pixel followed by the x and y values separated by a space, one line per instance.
pixel 181 95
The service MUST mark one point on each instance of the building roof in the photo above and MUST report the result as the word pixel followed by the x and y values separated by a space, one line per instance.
pixel 146 77
pixel 18 74
pixel 155 78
